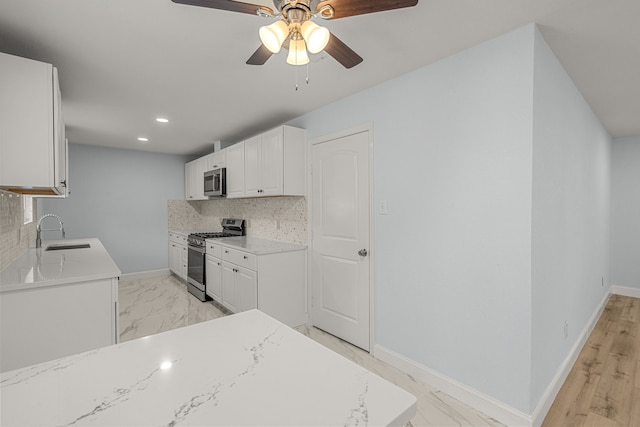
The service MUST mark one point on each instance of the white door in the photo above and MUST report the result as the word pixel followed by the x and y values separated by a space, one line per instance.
pixel 340 263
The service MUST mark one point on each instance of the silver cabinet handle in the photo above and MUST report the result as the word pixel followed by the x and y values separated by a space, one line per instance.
pixel 245 257
pixel 363 252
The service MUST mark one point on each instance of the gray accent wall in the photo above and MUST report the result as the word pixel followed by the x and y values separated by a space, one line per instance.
pixel 120 196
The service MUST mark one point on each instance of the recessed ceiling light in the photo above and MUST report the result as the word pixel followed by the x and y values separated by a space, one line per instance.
pixel 162 120
pixel 143 139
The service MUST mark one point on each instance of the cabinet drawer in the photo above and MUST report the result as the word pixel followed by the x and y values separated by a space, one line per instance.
pixel 214 249
pixel 180 239
pixel 240 258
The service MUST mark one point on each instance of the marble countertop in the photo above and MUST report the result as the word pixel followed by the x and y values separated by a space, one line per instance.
pixel 40 268
pixel 257 246
pixel 187 231
pixel 247 369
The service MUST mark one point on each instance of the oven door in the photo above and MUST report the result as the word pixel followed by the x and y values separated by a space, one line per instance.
pixel 195 271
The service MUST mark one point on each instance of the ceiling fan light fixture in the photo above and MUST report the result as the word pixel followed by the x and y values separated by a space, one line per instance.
pixel 297 52
pixel 316 36
pixel 272 36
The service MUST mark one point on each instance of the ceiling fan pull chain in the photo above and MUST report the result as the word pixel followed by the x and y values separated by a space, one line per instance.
pixel 296 67
pixel 307 79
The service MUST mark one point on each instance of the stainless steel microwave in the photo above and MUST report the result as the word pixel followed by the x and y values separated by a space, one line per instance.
pixel 215 183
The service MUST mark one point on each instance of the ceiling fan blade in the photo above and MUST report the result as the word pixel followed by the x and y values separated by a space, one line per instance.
pixel 344 8
pixel 342 53
pixel 260 56
pixel 230 5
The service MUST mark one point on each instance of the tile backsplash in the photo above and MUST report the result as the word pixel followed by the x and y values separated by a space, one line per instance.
pixel 15 236
pixel 276 218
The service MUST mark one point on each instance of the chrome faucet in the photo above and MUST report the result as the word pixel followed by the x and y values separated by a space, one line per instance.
pixel 39 230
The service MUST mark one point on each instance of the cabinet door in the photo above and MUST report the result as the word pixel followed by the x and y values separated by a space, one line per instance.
pixel 27 105
pixel 216 160
pixel 59 140
pixel 247 289
pixel 175 258
pixel 229 290
pixel 185 264
pixel 235 170
pixel 213 270
pixel 188 177
pixel 252 183
pixel 271 163
pixel 198 179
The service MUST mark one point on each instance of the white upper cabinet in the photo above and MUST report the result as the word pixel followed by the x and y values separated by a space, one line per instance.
pixel 252 150
pixel 270 164
pixel 33 148
pixel 194 179
pixel 216 160
pixel 235 170
pixel 275 163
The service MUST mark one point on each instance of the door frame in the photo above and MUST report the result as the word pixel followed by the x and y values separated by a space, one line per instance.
pixel 367 127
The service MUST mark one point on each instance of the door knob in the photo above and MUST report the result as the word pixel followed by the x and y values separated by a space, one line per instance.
pixel 363 252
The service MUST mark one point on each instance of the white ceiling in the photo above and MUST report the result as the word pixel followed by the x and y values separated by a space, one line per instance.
pixel 124 62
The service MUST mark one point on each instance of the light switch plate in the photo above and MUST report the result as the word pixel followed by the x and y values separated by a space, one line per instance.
pixel 382 208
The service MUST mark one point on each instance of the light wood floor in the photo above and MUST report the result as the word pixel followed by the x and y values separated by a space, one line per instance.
pixel 603 388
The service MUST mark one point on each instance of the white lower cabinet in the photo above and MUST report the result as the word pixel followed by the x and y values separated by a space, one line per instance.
pixel 41 324
pixel 245 286
pixel 178 254
pixel 272 282
pixel 213 271
pixel 239 288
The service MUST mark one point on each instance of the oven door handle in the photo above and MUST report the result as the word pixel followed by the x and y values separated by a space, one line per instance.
pixel 197 248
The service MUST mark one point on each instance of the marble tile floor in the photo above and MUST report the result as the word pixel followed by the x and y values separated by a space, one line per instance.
pixel 159 304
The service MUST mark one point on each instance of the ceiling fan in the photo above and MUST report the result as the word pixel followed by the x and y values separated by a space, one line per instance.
pixel 296 31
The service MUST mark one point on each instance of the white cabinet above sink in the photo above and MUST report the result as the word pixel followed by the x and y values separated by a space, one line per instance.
pixel 33 148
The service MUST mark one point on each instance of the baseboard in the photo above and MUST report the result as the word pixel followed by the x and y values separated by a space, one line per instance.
pixel 627 292
pixel 144 274
pixel 469 396
pixel 545 402
pixel 488 405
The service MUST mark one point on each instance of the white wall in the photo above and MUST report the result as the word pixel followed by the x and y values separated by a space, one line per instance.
pixel 625 227
pixel 571 205
pixel 120 196
pixel 453 154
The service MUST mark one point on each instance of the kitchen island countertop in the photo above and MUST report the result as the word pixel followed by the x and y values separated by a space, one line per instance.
pixel 247 369
pixel 41 268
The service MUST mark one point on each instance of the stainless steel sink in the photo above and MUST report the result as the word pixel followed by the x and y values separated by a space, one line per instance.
pixel 64 247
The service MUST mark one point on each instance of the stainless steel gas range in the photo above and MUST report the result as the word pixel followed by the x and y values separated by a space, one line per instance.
pixel 196 259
